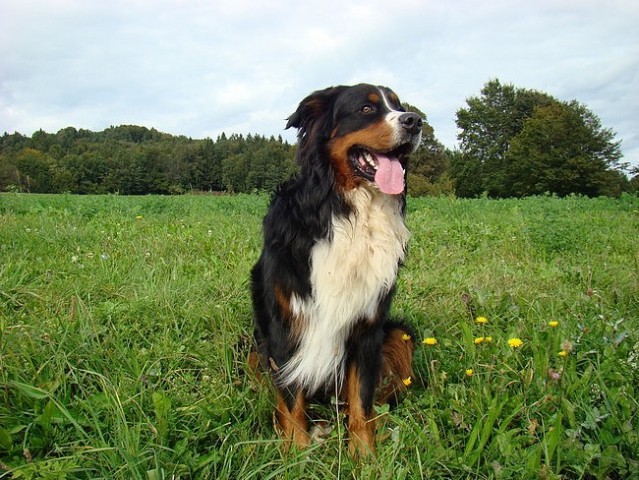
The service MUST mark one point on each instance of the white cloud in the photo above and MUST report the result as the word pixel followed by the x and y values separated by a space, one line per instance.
pixel 199 67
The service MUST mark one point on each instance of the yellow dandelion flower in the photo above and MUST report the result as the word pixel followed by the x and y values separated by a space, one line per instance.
pixel 563 353
pixel 488 339
pixel 430 341
pixel 469 372
pixel 406 337
pixel 139 217
pixel 515 342
pixel 479 340
pixel 553 323
pixel 481 320
pixel 407 381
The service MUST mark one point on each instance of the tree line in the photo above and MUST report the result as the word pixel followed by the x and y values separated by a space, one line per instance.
pixel 135 160
pixel 513 142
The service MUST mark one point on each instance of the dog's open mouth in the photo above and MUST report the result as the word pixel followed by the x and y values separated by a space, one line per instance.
pixel 383 168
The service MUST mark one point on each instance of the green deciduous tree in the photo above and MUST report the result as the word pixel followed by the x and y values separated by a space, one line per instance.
pixel 561 149
pixel 516 142
pixel 428 173
pixel 633 184
pixel 33 170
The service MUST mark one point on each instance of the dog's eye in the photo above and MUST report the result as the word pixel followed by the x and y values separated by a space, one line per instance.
pixel 367 109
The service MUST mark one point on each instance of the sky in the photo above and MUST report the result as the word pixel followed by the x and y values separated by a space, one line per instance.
pixel 202 67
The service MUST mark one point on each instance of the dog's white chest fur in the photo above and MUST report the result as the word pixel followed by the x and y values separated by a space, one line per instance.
pixel 350 273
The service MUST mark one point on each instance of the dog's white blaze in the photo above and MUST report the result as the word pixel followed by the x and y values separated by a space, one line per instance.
pixel 386 102
pixel 392 117
pixel 349 275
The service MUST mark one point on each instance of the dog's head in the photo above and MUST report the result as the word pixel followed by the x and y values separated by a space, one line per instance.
pixel 363 131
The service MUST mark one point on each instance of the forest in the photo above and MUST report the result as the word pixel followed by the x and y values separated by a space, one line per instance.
pixel 513 142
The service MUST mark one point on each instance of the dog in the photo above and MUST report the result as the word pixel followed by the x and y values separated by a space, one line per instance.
pixel 334 239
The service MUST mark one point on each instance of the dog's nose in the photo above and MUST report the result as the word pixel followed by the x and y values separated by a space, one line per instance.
pixel 411 122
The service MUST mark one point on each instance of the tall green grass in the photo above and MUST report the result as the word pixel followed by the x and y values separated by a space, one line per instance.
pixel 125 322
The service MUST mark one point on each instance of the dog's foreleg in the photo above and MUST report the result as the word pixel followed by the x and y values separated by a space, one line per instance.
pixel 362 378
pixel 361 425
pixel 291 421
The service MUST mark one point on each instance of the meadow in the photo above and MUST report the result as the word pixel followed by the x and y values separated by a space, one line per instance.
pixel 125 323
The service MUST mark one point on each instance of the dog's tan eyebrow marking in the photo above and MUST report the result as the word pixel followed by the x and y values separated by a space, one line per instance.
pixel 373 97
pixel 392 97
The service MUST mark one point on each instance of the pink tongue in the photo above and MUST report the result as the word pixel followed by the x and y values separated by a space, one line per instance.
pixel 390 175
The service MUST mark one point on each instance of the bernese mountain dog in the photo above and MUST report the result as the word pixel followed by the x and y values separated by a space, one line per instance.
pixel 334 238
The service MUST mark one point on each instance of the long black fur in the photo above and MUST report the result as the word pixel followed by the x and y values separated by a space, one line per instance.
pixel 299 215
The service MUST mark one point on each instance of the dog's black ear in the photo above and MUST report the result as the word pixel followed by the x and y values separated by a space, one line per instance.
pixel 313 119
pixel 313 107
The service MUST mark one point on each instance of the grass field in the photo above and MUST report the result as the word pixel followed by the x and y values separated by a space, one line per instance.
pixel 124 325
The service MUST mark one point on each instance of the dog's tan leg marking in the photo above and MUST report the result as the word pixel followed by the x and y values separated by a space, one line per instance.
pixel 361 428
pixel 292 424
